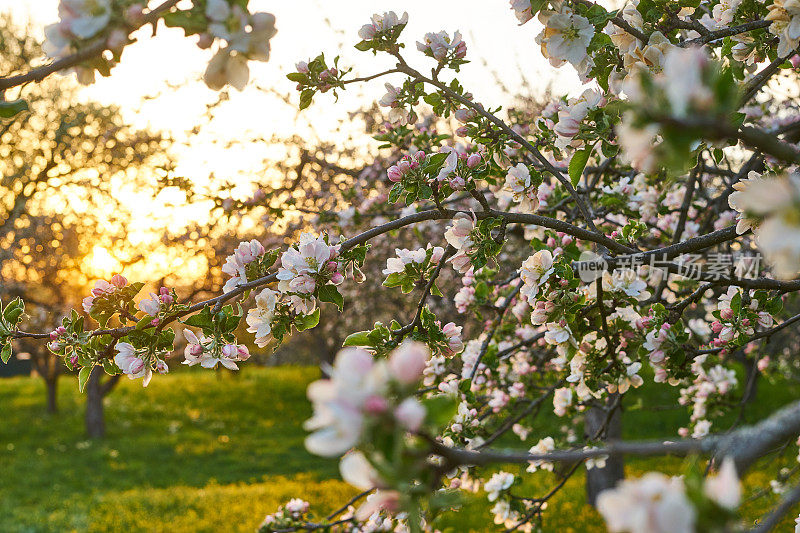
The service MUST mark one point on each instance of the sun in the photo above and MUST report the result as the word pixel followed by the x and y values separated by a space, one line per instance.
pixel 100 263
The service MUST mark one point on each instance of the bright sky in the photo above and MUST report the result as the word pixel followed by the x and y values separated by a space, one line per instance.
pixel 169 67
pixel 306 27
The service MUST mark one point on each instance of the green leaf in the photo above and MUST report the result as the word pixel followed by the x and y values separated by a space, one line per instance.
pixel 775 305
pixel 363 46
pixel 145 322
pixel 13 311
pixel 192 21
pixel 12 108
pixel 297 77
pixel 304 322
pixel 83 377
pixel 394 279
pixel 360 338
pixel 5 353
pixel 577 164
pixel 201 319
pixel 305 98
pixel 329 293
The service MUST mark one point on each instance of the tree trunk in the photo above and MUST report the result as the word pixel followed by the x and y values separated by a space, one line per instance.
pixel 600 479
pixel 95 423
pixel 51 382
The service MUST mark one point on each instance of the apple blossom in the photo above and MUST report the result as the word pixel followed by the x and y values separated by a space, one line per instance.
pixel 382 24
pixel 653 503
pixel 236 263
pixel 131 364
pixel 562 399
pixel 407 361
pixel 565 38
pixel 535 271
pixel 259 318
pixel 498 483
pixel 522 10
pixel 542 447
pixel 784 16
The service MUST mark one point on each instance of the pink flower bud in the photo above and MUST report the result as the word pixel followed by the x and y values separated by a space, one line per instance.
pixel 119 281
pixel 473 160
pixel 302 67
pixel 375 404
pixel 404 166
pixel 53 335
pixel 457 183
pixel 410 413
pixel 462 131
pixel 73 360
pixel 230 351
pixel 726 314
pixel 163 290
pixel 408 361
pixel 242 352
pixel 419 156
pixel 337 278
pixel 205 40
pixel 763 363
pixel 196 350
pixel 394 173
pixel 166 299
pixel 683 432
pixel 716 326
pixel 155 322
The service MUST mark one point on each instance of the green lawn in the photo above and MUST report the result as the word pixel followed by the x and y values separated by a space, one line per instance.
pixel 201 452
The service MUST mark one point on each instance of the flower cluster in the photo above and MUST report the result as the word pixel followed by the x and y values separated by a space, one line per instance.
pixel 103 290
pixel 246 37
pixel 656 503
pixel 291 514
pixel 358 390
pixel 236 264
pixel 208 352
pixel 138 363
pixel 411 267
pixel 460 237
pixel 445 50
pixel 785 18
pixel 769 207
pixel 305 268
pixel 81 20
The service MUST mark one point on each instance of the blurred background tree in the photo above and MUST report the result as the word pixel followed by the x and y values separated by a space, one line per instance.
pixel 61 165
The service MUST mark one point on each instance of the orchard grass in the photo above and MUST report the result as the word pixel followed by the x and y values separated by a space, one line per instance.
pixel 201 451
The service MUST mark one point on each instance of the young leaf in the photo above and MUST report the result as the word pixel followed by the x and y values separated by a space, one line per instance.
pixel 360 338
pixel 304 322
pixel 577 164
pixel 83 377
pixel 329 293
pixel 5 353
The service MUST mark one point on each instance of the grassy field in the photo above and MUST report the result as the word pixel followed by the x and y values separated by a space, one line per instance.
pixel 201 452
